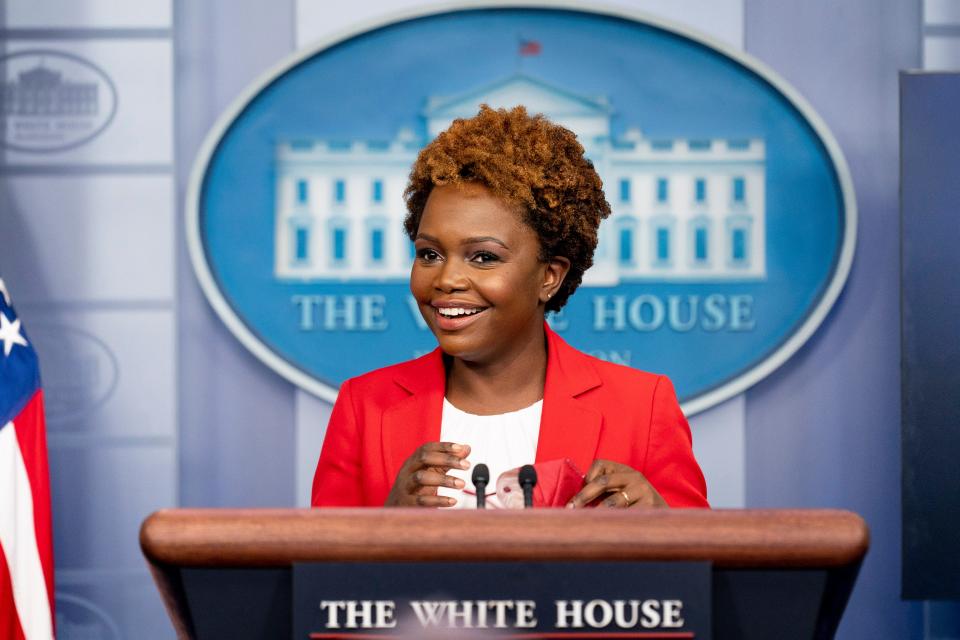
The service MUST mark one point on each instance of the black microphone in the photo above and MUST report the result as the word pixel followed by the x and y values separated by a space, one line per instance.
pixel 528 480
pixel 481 476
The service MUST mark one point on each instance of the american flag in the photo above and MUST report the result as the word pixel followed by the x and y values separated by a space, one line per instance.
pixel 26 544
pixel 530 47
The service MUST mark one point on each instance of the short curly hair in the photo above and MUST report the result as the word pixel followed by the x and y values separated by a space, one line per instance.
pixel 529 162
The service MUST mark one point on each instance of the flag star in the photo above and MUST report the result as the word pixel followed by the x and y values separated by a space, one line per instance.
pixel 4 292
pixel 10 334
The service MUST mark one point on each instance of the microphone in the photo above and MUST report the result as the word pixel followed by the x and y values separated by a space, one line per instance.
pixel 528 480
pixel 481 476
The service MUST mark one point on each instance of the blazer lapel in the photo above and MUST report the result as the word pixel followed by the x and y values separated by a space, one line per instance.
pixel 568 428
pixel 415 419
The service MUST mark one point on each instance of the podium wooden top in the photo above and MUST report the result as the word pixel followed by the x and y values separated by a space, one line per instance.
pixel 280 537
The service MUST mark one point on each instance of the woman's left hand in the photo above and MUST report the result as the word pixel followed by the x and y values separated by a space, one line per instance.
pixel 624 487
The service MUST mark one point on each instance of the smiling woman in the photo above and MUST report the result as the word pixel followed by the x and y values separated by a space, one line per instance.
pixel 481 287
pixel 503 211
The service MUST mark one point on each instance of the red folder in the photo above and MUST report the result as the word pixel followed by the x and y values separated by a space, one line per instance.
pixel 557 482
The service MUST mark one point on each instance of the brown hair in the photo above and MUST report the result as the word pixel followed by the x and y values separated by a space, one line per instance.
pixel 527 161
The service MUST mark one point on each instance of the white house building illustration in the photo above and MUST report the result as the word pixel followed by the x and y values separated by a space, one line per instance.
pixel 683 209
pixel 44 92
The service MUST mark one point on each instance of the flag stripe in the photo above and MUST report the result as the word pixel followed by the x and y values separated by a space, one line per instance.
pixel 9 621
pixel 18 541
pixel 31 436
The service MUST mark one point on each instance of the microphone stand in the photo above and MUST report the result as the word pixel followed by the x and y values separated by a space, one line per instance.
pixel 481 476
pixel 528 480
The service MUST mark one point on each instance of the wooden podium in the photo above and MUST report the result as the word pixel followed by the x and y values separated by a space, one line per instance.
pixel 775 573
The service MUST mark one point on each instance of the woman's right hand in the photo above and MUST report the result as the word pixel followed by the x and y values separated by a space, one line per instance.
pixel 426 470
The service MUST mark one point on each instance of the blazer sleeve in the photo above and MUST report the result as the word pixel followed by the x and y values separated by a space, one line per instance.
pixel 337 481
pixel 669 463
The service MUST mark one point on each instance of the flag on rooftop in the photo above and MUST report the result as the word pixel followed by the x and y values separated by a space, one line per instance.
pixel 530 47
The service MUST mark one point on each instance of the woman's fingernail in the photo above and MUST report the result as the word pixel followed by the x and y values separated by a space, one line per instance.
pixel 458 483
pixel 571 505
pixel 457 447
pixel 464 464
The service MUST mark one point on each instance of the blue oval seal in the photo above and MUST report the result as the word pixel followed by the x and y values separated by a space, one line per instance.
pixel 733 225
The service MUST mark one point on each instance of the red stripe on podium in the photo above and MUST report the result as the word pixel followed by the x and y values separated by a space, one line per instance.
pixel 551 635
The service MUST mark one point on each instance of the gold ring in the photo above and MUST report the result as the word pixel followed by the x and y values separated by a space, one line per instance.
pixel 627 498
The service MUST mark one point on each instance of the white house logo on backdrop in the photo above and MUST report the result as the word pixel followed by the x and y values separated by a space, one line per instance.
pixel 733 219
pixel 53 100
pixel 80 373
pixel 81 619
pixel 683 209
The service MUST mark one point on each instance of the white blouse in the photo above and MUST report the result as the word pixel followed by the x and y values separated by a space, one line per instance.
pixel 502 442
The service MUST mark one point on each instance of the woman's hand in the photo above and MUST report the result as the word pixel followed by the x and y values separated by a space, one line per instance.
pixel 623 486
pixel 424 471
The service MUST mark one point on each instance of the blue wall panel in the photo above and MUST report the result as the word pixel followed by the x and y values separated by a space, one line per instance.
pixel 930 192
pixel 235 415
pixel 824 430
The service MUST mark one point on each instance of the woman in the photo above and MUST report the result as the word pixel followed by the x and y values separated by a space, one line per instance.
pixel 503 211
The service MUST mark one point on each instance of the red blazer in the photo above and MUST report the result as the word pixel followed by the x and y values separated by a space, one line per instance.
pixel 591 409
